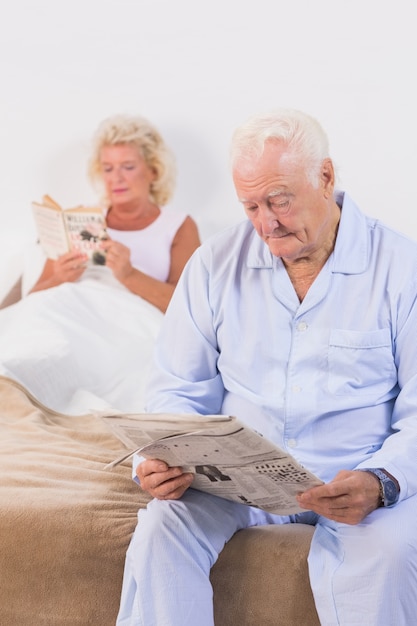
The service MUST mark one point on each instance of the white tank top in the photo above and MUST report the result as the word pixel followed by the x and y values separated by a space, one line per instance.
pixel 150 248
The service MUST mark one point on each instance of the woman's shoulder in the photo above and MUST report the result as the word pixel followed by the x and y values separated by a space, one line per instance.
pixel 171 219
pixel 180 227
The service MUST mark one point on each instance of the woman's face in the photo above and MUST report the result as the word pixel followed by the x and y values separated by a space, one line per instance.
pixel 126 175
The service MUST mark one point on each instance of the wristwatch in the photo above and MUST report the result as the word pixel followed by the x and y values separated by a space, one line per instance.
pixel 389 490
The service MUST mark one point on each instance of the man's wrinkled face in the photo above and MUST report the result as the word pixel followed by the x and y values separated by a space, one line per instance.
pixel 288 212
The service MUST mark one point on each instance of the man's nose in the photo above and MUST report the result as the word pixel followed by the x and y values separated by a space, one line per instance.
pixel 269 221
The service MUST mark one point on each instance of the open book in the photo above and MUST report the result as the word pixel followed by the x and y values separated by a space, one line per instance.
pixel 61 230
pixel 227 458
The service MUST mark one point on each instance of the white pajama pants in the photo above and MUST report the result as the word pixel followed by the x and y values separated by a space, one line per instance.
pixel 360 575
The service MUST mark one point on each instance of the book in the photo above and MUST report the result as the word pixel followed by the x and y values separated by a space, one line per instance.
pixel 227 458
pixel 61 230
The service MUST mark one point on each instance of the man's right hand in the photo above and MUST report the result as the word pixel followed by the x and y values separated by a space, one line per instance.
pixel 161 481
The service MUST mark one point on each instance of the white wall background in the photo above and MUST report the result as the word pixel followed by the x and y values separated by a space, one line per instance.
pixel 197 70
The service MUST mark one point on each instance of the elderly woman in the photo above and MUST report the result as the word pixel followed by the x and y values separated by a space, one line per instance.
pixel 83 337
pixel 148 247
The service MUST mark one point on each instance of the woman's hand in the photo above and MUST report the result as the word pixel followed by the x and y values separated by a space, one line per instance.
pixel 118 259
pixel 69 267
pixel 66 269
pixel 161 481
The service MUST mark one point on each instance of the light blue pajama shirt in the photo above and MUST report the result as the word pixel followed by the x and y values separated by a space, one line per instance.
pixel 333 380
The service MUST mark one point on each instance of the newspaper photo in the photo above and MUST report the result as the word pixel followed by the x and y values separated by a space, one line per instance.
pixel 227 458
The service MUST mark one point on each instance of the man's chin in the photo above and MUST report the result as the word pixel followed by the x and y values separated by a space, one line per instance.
pixel 277 249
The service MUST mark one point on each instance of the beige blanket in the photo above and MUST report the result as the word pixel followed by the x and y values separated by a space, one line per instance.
pixel 65 522
pixel 65 525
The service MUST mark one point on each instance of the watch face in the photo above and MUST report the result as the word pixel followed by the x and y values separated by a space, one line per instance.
pixel 390 491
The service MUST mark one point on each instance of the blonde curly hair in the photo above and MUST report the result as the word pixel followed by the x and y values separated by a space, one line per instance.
pixel 139 132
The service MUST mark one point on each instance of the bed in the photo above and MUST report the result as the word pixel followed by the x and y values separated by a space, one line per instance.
pixel 65 521
pixel 82 345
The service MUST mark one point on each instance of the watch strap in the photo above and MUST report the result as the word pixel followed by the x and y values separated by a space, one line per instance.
pixel 384 479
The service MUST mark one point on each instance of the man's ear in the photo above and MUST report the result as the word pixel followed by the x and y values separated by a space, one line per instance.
pixel 327 177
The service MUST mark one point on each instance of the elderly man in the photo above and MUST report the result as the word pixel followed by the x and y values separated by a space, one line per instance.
pixel 301 321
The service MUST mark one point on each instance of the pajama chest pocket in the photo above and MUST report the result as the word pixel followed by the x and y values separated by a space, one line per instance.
pixel 361 363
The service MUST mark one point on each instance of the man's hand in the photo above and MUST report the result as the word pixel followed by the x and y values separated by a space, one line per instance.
pixel 161 481
pixel 348 498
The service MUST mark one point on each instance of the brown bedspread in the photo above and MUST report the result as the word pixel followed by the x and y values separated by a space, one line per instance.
pixel 65 522
pixel 65 525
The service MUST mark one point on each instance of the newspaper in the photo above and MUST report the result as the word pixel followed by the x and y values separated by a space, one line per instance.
pixel 227 458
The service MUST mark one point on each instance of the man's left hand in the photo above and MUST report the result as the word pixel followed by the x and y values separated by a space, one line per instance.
pixel 348 498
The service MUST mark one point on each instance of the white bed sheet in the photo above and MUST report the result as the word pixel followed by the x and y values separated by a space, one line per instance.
pixel 81 346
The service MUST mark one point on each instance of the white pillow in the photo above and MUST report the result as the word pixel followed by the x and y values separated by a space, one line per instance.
pixel 33 262
pixel 12 247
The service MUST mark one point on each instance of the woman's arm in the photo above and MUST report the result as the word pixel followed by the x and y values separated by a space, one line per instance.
pixel 156 292
pixel 68 268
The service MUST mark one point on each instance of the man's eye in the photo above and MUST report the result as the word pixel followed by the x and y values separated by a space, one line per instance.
pixel 280 205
